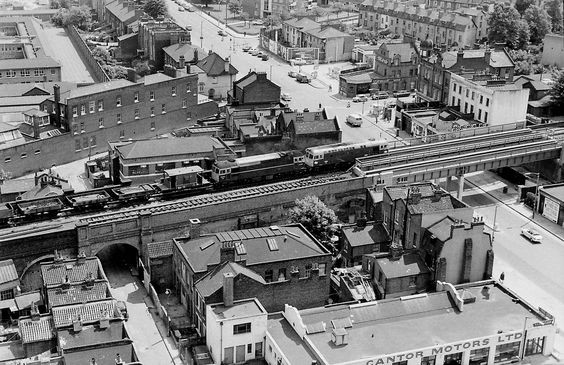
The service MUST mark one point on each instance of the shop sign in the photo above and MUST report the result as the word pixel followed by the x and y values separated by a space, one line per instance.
pixel 551 209
pixel 447 349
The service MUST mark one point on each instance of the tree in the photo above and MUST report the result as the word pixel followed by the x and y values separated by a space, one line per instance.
pixel 102 56
pixel 79 17
pixel 314 215
pixel 523 5
pixel 58 19
pixel 523 34
pixel 142 68
pixel 539 23
pixel 506 26
pixel 557 90
pixel 58 4
pixel 554 10
pixel 273 20
pixel 155 8
pixel 235 8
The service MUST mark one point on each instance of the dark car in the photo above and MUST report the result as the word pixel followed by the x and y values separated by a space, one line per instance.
pixel 265 57
pixel 222 33
pixel 380 95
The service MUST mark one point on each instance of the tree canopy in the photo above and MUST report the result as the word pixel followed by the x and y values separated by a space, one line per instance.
pixel 155 8
pixel 506 26
pixel 523 5
pixel 235 7
pixel 554 10
pixel 557 90
pixel 539 23
pixel 77 16
pixel 314 215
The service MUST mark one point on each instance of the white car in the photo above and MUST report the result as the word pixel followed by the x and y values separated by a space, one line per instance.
pixel 286 96
pixel 531 235
pixel 258 22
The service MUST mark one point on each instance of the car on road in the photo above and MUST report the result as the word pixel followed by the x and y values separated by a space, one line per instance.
pixel 122 308
pixel 298 61
pixel 401 93
pixel 360 99
pixel 258 22
pixel 201 355
pixel 292 74
pixel 222 33
pixel 354 120
pixel 254 51
pixel 303 78
pixel 264 57
pixel 180 8
pixel 246 48
pixel 380 95
pixel 286 96
pixel 531 235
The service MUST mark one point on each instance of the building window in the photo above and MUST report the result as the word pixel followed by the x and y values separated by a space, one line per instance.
pixel 7 294
pixel 250 348
pixel 136 97
pixel 100 105
pixel 152 111
pixel 453 359
pixel 136 113
pixel 459 89
pixel 82 109
pixel 268 276
pixel 101 122
pixel 472 97
pixel 479 356
pixel 81 126
pixel 507 351
pixel 75 128
pixel 85 142
pixel 163 108
pixel 173 91
pixel 151 95
pixel 481 99
pixel 77 144
pixel 7 159
pixel 118 118
pixel 242 328
pixel 184 103
pixel 23 155
pixel 487 101
pixel 74 111
pixel 118 100
pixel 153 125
pixel 453 100
pixel 187 88
pixel 485 117
pixel 307 271
pixel 322 269
pixel 479 114
pixel 534 346
pixel 467 92
pixel 93 141
pixel 91 106
pixel 282 274
pixel 428 360
pixel 121 133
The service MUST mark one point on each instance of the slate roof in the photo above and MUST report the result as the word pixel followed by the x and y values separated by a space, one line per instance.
pixel 155 78
pixel 8 271
pixel 317 126
pixel 23 100
pixel 55 272
pixel 442 228
pixel 213 280
pixel 400 192
pixel 89 312
pixel 474 59
pixel 292 241
pixel 303 23
pixel 96 88
pixel 184 49
pixel 120 11
pixel 368 235
pixel 159 249
pixel 169 147
pixel 328 32
pixel 38 330
pixel 40 62
pixel 21 89
pixel 287 117
pixel 78 293
pixel 24 300
pixel 427 205
pixel 214 65
pixel 407 265
pixel 404 50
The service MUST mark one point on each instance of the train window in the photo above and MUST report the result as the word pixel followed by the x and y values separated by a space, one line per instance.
pixel 24 155
pixel 37 152
pixel 7 159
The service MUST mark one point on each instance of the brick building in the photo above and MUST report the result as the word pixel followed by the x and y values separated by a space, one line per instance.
pixel 215 75
pixel 254 90
pixel 436 68
pixel 180 54
pixel 155 35
pixel 308 128
pixel 119 14
pixel 279 264
pixel 362 238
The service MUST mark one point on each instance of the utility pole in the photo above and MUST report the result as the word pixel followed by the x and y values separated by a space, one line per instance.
pixel 201 34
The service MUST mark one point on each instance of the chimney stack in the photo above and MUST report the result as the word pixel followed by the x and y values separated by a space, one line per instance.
pixel 487 56
pixel 228 289
pixel 459 55
pixel 195 228
pixel 35 125
pixel 361 221
pixel 227 252
pixel 57 95
pixel 181 62
pixel 227 65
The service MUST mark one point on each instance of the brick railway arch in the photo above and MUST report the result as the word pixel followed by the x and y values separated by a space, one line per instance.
pixel 116 255
pixel 31 274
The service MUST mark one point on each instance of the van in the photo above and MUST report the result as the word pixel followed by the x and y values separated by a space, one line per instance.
pixel 354 120
pixel 303 78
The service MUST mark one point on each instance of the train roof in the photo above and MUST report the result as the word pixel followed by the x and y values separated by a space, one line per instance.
pixel 184 170
pixel 345 145
pixel 256 159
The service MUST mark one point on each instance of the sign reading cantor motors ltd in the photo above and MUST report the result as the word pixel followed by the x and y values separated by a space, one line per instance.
pixel 448 349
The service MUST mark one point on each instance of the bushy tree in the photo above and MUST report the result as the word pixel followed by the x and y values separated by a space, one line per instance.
pixel 59 17
pixel 314 215
pixel 79 17
pixel 101 55
pixel 554 10
pixel 58 4
pixel 506 26
pixel 557 90
pixel 142 68
pixel 539 23
pixel 234 7
pixel 523 5
pixel 155 8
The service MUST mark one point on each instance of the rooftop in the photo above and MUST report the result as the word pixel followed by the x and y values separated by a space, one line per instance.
pixel 96 88
pixel 40 62
pixel 386 327
pixel 91 335
pixel 288 340
pixel 78 293
pixel 54 273
pixel 169 147
pixel 431 204
pixel 214 65
pixel 159 249
pixel 38 330
pixel 240 308
pixel 475 59
pixel 367 235
pixel 404 50
pixel 88 312
pixel 184 49
pixel 314 127
pixel 256 246
pixel 407 265
pixel 8 271
pixel 426 189
pixel 213 281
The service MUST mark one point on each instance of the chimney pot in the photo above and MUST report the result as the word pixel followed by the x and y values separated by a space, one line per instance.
pixel 195 228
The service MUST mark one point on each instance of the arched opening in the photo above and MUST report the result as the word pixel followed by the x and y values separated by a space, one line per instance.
pixel 31 279
pixel 119 258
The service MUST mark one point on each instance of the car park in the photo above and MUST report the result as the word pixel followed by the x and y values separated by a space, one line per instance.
pixel 380 95
pixel 286 96
pixel 531 235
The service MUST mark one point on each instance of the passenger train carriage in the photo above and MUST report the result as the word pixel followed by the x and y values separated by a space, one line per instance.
pixel 339 154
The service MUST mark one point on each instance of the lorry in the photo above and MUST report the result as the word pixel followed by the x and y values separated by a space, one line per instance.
pixel 303 78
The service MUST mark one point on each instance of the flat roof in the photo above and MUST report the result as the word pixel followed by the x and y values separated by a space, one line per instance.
pixel 407 265
pixel 289 341
pixel 415 322
pixel 241 308
pixel 555 191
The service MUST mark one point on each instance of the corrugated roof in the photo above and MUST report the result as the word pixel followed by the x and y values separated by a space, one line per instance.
pixel 169 147
pixel 8 271
pixel 213 281
pixel 293 242
pixel 38 330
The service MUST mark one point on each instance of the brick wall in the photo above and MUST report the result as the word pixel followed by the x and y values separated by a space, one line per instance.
pixel 86 55
pixel 161 273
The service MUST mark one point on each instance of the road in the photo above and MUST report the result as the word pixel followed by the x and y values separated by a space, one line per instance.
pixel 204 34
pixel 533 271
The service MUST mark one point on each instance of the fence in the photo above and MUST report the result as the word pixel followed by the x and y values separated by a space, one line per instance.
pixel 94 66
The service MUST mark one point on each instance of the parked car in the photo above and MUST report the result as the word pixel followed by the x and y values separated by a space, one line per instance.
pixel 360 99
pixel 222 33
pixel 286 96
pixel 246 48
pixel 531 235
pixel 258 22
pixel 254 51
pixel 188 7
pixel 265 57
pixel 401 93
pixel 188 28
pixel 259 54
pixel 298 61
pixel 303 78
pixel 180 8
pixel 292 74
pixel 380 95
pixel 122 307
pixel 201 355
